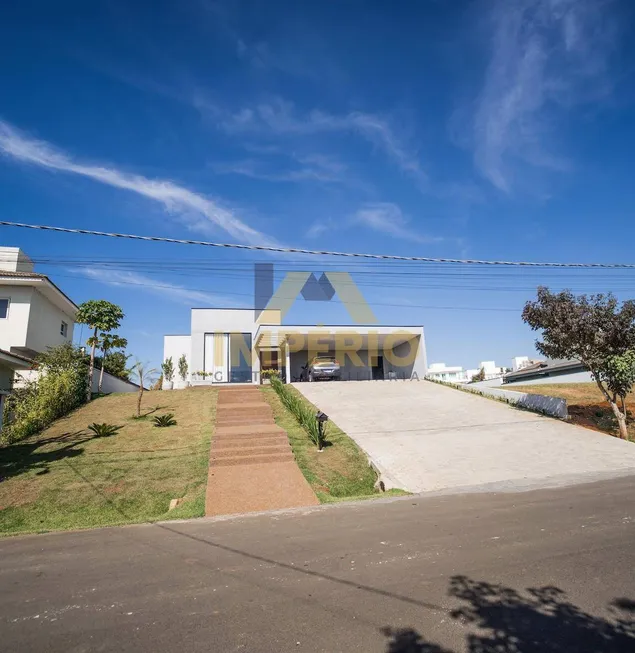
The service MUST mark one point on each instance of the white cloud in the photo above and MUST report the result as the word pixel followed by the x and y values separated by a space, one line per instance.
pixel 195 210
pixel 171 291
pixel 311 169
pixel 279 117
pixel 387 218
pixel 547 56
pixel 320 227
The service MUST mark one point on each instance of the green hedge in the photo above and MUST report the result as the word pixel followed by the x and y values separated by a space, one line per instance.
pixel 60 389
pixel 304 415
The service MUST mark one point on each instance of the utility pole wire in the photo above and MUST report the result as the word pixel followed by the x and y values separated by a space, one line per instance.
pixel 295 250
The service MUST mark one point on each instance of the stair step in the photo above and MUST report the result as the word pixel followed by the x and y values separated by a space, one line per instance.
pixel 248 429
pixel 257 450
pixel 253 460
pixel 254 424
pixel 221 411
pixel 251 434
pixel 258 441
pixel 242 404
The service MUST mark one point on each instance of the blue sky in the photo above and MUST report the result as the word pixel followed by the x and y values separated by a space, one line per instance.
pixel 485 129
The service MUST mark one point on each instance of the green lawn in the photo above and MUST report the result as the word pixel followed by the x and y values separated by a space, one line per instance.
pixel 65 478
pixel 341 471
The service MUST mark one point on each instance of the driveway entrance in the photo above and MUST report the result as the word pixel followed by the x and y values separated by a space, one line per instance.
pixel 425 437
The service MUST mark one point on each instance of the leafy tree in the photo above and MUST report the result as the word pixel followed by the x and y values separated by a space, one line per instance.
pixel 99 315
pixel 168 369
pixel 109 341
pixel 593 329
pixel 143 375
pixel 117 365
pixel 183 368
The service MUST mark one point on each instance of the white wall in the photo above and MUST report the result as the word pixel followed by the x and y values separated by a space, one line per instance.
pixel 33 322
pixel 176 346
pixel 573 377
pixel 45 321
pixel 13 329
pixel 215 320
pixel 112 384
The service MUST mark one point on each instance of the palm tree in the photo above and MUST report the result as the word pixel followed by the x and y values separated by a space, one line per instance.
pixel 143 375
pixel 108 342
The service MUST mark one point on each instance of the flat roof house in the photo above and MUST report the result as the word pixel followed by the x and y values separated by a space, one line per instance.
pixel 233 346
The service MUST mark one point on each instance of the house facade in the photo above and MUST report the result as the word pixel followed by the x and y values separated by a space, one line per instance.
pixel 34 314
pixel 233 346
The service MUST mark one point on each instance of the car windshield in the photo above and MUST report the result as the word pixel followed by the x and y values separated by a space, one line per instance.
pixel 318 360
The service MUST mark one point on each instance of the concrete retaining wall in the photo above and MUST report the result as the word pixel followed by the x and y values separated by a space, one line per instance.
pixel 539 403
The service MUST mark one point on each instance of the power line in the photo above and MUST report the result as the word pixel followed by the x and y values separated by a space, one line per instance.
pixel 294 250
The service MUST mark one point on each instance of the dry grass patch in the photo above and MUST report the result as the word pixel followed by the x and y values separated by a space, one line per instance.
pixel 587 406
pixel 67 478
pixel 341 471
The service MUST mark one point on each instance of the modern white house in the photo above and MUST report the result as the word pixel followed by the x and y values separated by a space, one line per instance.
pixel 490 369
pixel 443 372
pixel 232 346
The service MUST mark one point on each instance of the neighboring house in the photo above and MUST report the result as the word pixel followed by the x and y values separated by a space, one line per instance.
pixel 34 315
pixel 491 371
pixel 442 372
pixel 550 371
pixel 230 346
pixel 34 312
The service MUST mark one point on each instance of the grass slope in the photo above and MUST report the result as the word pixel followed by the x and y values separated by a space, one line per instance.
pixel 65 478
pixel 340 472
pixel 587 406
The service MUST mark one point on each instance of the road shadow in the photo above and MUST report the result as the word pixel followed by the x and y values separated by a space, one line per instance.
pixel 16 459
pixel 500 619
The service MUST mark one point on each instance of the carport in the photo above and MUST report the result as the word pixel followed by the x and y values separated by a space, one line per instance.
pixel 364 353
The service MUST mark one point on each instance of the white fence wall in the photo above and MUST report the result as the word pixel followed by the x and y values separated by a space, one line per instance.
pixel 553 406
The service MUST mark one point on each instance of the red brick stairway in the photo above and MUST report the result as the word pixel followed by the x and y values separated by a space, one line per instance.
pixel 252 467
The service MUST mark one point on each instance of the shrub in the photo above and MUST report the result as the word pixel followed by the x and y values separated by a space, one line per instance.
pixel 104 430
pixel 164 420
pixel 303 413
pixel 168 369
pixel 61 387
pixel 183 368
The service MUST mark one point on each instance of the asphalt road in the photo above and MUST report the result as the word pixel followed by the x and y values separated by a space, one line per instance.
pixel 537 572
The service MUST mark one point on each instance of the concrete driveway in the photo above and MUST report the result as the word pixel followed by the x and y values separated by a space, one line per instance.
pixel 426 437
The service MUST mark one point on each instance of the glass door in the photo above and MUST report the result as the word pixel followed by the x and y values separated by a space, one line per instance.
pixel 216 357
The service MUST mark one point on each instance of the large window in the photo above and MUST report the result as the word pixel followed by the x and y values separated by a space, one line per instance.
pixel 227 357
pixel 4 308
pixel 240 357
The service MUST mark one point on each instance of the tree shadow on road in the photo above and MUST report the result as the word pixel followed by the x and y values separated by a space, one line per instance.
pixel 500 619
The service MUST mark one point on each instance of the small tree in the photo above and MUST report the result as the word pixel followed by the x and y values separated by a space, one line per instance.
pixel 183 368
pixel 99 315
pixel 168 369
pixel 143 374
pixel 594 330
pixel 117 365
pixel 109 341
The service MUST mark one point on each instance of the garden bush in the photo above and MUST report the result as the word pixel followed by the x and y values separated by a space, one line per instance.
pixel 299 409
pixel 61 387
